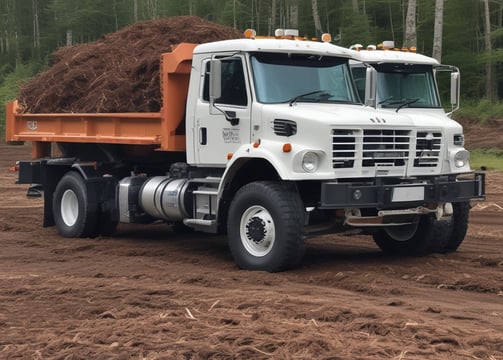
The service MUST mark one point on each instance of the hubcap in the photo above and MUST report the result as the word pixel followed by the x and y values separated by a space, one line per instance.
pixel 257 231
pixel 69 208
pixel 403 233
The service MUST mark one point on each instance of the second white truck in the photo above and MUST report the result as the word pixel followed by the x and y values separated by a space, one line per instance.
pixel 401 81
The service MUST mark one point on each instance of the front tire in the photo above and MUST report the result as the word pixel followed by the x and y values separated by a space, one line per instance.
pixel 459 226
pixel 265 226
pixel 418 239
pixel 73 215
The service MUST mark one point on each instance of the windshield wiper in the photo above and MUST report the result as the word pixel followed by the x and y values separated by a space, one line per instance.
pixel 406 103
pixel 385 100
pixel 322 95
pixel 388 102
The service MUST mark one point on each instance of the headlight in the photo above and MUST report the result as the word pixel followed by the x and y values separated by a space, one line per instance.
pixel 310 161
pixel 461 158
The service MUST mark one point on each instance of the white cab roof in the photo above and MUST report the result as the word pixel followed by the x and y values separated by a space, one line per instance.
pixel 392 56
pixel 274 45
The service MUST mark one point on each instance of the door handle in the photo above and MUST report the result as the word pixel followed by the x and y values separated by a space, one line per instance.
pixel 203 136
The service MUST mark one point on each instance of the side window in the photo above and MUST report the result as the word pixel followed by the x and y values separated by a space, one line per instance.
pixel 359 74
pixel 233 83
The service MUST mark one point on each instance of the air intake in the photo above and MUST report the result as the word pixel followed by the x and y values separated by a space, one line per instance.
pixel 283 127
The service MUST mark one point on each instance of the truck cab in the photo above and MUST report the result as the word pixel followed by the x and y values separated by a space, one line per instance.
pixel 262 82
pixel 392 78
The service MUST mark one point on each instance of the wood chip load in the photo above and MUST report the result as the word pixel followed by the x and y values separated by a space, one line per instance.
pixel 119 73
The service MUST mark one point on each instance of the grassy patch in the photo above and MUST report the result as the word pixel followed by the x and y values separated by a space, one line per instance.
pixel 481 110
pixel 487 159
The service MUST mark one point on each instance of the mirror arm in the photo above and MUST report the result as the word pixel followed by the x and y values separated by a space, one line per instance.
pixel 230 116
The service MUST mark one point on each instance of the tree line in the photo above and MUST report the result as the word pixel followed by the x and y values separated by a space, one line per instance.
pixel 465 33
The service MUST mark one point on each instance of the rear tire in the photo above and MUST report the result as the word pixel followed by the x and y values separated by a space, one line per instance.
pixel 73 215
pixel 265 226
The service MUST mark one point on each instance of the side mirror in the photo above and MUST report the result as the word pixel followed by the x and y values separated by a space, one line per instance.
pixel 215 90
pixel 215 80
pixel 371 87
pixel 455 86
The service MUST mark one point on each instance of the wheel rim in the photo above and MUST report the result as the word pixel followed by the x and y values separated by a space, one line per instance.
pixel 403 233
pixel 69 207
pixel 257 231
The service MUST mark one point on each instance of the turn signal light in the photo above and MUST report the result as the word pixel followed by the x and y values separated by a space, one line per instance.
pixel 287 147
pixel 385 45
pixel 250 33
pixel 285 34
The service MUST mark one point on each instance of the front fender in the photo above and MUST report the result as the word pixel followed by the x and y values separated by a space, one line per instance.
pixel 284 165
pixel 276 159
pixel 288 164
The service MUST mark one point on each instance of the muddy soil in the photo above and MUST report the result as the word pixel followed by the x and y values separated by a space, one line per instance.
pixel 148 293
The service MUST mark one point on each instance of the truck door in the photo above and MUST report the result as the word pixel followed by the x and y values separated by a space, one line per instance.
pixel 221 133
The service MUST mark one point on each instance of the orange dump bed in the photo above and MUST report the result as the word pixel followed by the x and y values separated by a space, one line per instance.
pixel 157 128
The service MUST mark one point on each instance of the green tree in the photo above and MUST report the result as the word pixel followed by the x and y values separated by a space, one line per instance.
pixel 472 38
pixel 79 21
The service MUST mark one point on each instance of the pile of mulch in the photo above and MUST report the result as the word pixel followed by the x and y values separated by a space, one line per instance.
pixel 119 73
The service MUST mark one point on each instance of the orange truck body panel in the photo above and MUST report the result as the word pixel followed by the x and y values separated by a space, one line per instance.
pixel 157 128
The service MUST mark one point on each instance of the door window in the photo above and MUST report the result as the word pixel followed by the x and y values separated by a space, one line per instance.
pixel 233 83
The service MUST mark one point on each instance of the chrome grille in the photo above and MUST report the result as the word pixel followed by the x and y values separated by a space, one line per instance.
pixel 343 148
pixel 428 145
pixel 384 147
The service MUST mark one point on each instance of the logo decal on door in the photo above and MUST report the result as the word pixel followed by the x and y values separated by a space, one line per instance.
pixel 231 136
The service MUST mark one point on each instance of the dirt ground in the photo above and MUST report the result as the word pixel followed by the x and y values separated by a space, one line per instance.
pixel 147 293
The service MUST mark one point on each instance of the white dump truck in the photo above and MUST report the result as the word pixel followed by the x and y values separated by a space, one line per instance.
pixel 400 80
pixel 266 140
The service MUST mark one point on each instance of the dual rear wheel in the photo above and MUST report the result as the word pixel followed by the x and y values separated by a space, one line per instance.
pixel 75 215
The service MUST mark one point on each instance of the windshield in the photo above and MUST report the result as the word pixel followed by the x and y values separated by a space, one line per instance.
pixel 290 78
pixel 406 86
